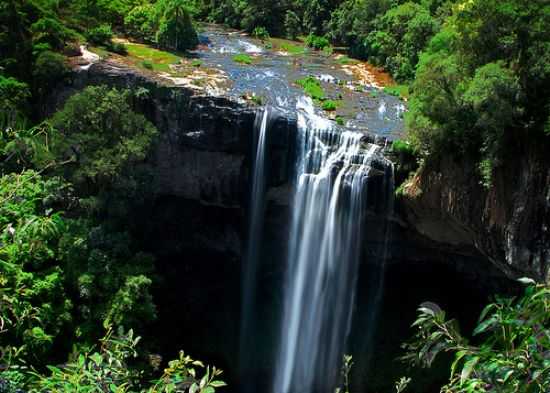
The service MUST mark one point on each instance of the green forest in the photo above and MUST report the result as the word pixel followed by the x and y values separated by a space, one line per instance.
pixel 75 284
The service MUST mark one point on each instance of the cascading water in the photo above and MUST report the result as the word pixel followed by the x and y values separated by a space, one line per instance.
pixel 256 220
pixel 324 252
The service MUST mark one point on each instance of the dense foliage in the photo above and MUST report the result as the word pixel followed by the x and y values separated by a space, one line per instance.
pixel 512 355
pixel 69 267
pixel 483 82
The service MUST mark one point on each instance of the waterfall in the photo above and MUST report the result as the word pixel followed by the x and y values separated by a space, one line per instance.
pixel 324 251
pixel 256 220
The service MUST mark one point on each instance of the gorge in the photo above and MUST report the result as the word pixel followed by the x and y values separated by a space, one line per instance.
pixel 238 189
pixel 313 196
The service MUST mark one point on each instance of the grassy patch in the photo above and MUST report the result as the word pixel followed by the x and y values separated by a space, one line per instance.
pixel 345 60
pixel 196 63
pixel 312 87
pixel 340 120
pixel 159 60
pixel 242 59
pixel 293 49
pixel 102 52
pixel 329 105
pixel 401 91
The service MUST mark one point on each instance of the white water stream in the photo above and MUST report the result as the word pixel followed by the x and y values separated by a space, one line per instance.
pixel 255 232
pixel 324 253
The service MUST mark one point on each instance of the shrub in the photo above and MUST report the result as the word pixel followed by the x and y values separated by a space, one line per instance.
pixel 402 147
pixel 100 35
pixel 242 59
pixel 109 369
pixel 261 33
pixel 329 105
pixel 147 64
pixel 34 304
pixel 117 47
pixel 317 42
pixel 312 87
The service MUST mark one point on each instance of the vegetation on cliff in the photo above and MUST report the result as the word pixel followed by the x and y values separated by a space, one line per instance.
pixel 69 267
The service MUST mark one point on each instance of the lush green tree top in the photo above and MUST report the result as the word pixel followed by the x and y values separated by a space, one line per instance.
pixel 483 79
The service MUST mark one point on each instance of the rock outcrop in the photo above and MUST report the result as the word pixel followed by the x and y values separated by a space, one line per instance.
pixel 509 223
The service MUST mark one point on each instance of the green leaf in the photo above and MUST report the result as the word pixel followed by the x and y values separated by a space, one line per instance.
pixel 484 326
pixel 458 358
pixel 218 384
pixel 468 368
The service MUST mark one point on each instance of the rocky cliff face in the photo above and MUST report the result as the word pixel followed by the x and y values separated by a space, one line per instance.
pixel 203 160
pixel 508 223
pixel 204 141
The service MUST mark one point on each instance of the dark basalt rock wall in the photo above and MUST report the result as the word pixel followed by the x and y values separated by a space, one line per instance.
pixel 204 156
pixel 509 224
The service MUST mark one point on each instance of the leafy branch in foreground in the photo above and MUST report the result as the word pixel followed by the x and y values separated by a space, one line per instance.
pixel 107 370
pixel 514 355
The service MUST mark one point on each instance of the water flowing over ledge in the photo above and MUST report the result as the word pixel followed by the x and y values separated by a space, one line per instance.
pixel 332 176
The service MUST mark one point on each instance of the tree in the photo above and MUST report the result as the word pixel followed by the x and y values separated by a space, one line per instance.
pixel 402 33
pixel 105 137
pixel 14 96
pixel 292 25
pixel 175 28
pixel 482 82
pixel 140 23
